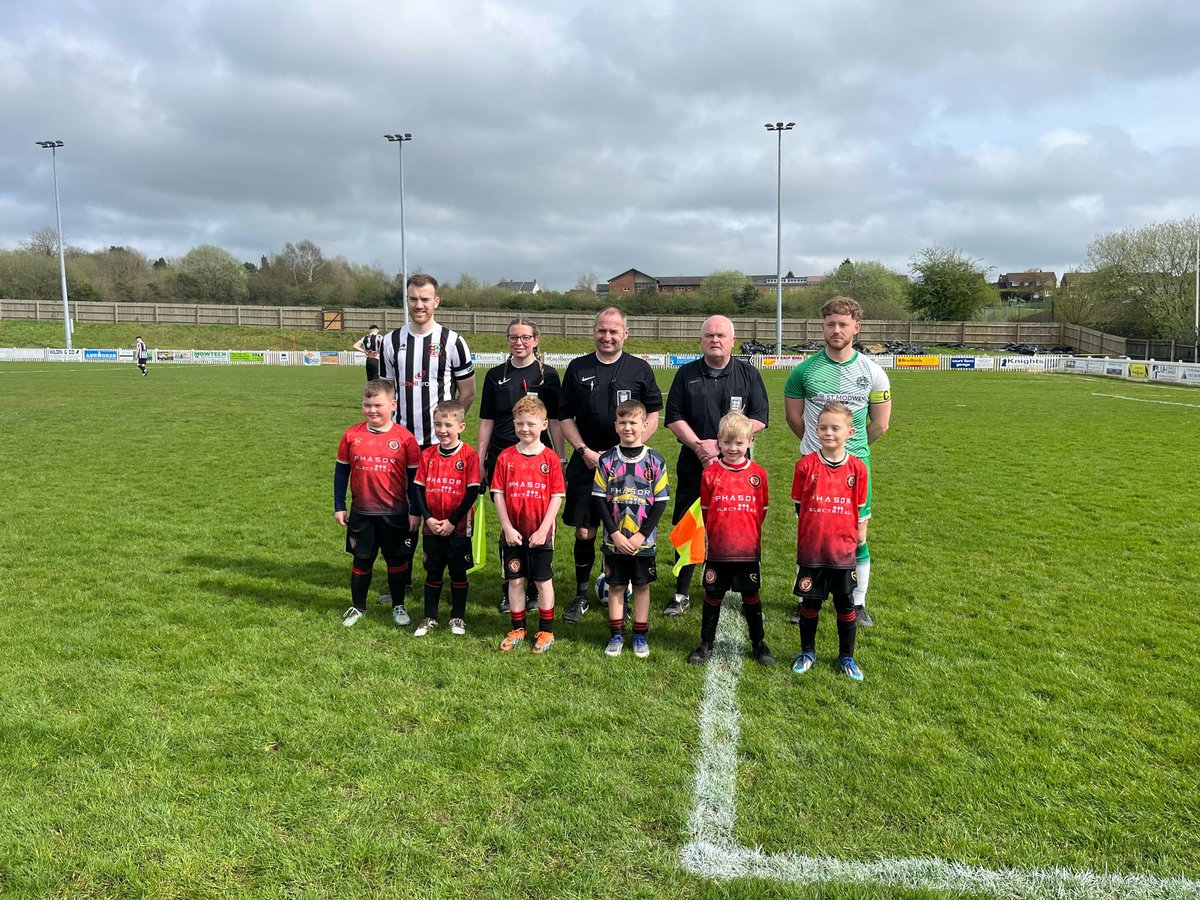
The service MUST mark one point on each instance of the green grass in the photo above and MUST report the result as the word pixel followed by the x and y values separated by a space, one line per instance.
pixel 184 714
pixel 21 333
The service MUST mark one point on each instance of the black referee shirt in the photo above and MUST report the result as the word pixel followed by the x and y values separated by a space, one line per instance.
pixel 700 396
pixel 591 391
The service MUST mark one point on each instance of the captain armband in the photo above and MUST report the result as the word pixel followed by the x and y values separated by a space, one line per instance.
pixel 881 396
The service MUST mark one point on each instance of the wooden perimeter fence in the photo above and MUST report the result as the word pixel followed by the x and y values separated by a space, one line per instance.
pixel 355 321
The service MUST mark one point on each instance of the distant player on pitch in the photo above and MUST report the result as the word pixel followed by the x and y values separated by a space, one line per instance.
pixel 447 484
pixel 140 351
pixel 528 487
pixel 630 492
pixel 733 497
pixel 377 459
pixel 830 490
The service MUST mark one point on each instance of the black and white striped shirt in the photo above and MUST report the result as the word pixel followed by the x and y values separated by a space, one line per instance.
pixel 425 369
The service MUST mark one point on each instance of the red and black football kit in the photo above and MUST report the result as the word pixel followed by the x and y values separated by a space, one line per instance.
pixel 734 501
pixel 829 499
pixel 447 484
pixel 378 467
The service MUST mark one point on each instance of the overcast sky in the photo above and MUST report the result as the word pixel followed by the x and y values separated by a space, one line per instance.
pixel 553 138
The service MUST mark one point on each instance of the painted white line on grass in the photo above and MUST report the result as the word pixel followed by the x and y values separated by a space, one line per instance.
pixel 1144 400
pixel 713 852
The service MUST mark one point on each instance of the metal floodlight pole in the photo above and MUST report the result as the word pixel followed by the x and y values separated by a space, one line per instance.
pixel 399 140
pixel 53 146
pixel 1196 333
pixel 779 128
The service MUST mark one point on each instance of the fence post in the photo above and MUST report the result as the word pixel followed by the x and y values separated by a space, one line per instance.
pixel 281 317
pixel 116 315
pixel 197 313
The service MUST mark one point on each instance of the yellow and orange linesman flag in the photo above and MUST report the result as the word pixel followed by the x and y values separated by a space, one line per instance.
pixel 688 538
pixel 479 537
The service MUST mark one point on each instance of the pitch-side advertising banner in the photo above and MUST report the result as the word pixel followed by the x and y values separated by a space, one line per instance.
pixel 918 362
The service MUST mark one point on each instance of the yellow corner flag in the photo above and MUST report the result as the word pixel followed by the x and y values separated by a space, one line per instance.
pixel 688 538
pixel 479 537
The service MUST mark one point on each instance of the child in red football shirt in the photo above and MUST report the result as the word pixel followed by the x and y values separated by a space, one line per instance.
pixel 734 498
pixel 830 490
pixel 447 484
pixel 528 487
pixel 377 460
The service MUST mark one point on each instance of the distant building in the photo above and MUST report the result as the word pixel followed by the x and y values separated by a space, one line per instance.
pixel 768 282
pixel 634 281
pixel 520 287
pixel 1027 286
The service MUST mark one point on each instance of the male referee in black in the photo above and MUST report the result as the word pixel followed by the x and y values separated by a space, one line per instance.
pixel 703 391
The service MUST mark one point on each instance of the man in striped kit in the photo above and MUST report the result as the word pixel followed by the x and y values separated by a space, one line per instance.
pixel 839 372
pixel 427 362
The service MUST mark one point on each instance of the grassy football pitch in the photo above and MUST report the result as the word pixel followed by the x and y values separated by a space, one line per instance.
pixel 184 714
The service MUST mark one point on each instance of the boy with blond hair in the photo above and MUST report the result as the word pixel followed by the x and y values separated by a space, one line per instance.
pixel 734 499
pixel 830 491
pixel 528 488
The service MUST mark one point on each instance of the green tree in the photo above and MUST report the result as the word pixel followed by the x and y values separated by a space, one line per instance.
pixel 208 274
pixel 1145 278
pixel 879 291
pixel 1077 301
pixel 948 286
pixel 719 290
pixel 121 274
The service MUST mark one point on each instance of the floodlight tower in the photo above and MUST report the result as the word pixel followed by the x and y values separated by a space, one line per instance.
pixel 53 146
pixel 779 128
pixel 399 140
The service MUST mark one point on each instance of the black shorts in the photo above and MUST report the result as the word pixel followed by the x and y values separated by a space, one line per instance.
pixel 534 563
pixel 579 509
pixel 620 569
pixel 448 551
pixel 721 576
pixel 368 536
pixel 819 583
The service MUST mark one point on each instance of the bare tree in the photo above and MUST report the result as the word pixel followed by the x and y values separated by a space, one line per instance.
pixel 43 242
pixel 302 262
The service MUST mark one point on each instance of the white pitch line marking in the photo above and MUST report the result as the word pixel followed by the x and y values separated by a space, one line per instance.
pixel 713 852
pixel 1144 400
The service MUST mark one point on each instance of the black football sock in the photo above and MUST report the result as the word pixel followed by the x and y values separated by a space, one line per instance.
pixel 710 618
pixel 752 610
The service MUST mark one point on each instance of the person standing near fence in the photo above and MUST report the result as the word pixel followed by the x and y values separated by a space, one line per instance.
pixel 703 391
pixel 839 372
pixel 593 386
pixel 370 344
pixel 140 351
pixel 427 362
